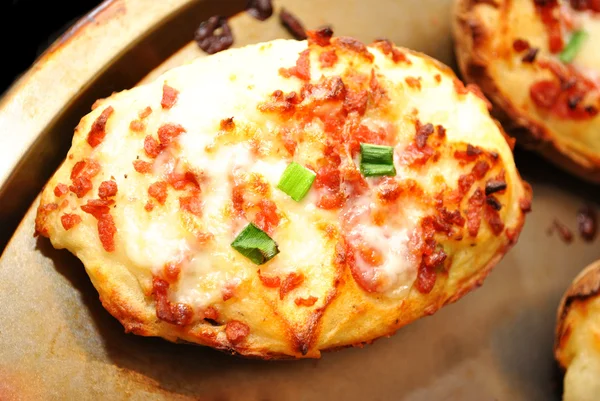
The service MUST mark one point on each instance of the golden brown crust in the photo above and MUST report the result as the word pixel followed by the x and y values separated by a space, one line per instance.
pixel 584 287
pixel 479 29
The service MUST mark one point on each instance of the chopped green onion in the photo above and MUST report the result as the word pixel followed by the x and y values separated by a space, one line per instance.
pixel 376 160
pixel 296 181
pixel 255 244
pixel 572 48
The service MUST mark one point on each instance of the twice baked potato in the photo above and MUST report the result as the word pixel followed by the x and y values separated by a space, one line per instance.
pixel 577 346
pixel 287 197
pixel 537 61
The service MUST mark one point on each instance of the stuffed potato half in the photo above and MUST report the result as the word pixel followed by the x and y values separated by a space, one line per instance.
pixel 577 347
pixel 288 197
pixel 537 61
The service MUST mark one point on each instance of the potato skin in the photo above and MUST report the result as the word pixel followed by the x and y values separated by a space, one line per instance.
pixel 483 46
pixel 277 327
pixel 577 347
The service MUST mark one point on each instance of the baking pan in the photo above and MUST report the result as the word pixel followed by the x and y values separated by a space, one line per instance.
pixel 57 342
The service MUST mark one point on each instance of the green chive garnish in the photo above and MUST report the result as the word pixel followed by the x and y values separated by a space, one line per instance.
pixel 573 47
pixel 376 160
pixel 296 181
pixel 255 244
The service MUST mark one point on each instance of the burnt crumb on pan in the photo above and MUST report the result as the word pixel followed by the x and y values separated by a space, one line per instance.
pixel 587 223
pixel 292 24
pixel 530 55
pixel 565 234
pixel 214 35
pixel 260 9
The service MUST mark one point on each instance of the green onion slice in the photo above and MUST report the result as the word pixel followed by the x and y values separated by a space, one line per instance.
pixel 296 181
pixel 255 244
pixel 572 48
pixel 376 160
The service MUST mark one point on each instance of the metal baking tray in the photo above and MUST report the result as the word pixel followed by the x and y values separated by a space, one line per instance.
pixel 56 340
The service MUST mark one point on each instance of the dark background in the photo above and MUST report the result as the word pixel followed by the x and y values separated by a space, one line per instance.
pixel 27 27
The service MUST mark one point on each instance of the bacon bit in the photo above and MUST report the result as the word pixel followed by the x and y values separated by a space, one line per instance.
pixel 423 133
pixel 475 202
pixel 158 191
pixel 425 280
pixel 545 93
pixel 49 207
pixel 137 126
pixel 563 231
pixel 438 78
pixel 432 256
pixel 356 101
pixel 211 313
pixel 302 68
pixel 97 207
pixel 454 217
pixel 269 281
pixel 413 82
pixel 289 143
pixel 172 271
pixel 151 146
pixel 81 186
pixel 180 181
pixel 388 48
pixel 227 124
pixel 107 189
pixel 168 132
pixel 550 15
pixel 169 97
pixel 389 190
pixel 191 204
pixel 292 24
pixel 353 45
pixel 494 185
pixel 290 283
pixel 85 168
pixel 77 169
pixel 480 169
pixel 310 301
pixel 587 223
pixel 377 92
pixel 530 56
pixel 149 206
pixel 236 332
pixel 331 201
pixel 441 132
pixel 520 45
pixel 470 155
pixel 97 132
pixel 179 314
pixel 107 231
pixel 267 218
pixel 60 190
pixel 142 167
pixel 320 37
pixel 328 58
pixel 70 220
pixel 145 113
pixel 414 157
pixel 525 205
pixel 493 218
pixel 583 5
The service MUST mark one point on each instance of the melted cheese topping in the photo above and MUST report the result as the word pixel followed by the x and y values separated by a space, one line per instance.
pixel 248 159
